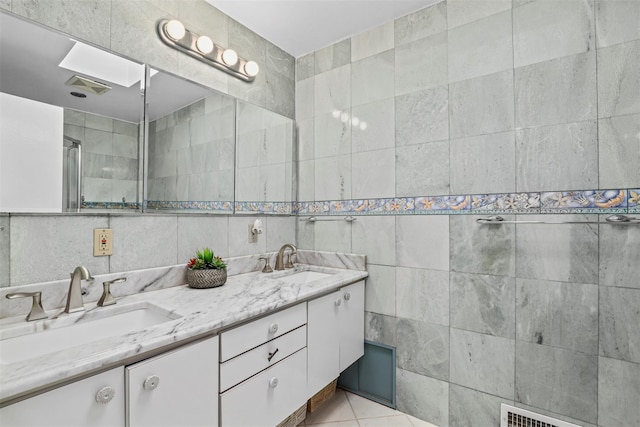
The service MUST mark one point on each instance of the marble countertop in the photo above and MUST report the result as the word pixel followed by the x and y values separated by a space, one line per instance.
pixel 200 312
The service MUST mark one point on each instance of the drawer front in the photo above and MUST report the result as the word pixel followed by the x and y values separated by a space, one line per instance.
pixel 269 397
pixel 251 335
pixel 250 363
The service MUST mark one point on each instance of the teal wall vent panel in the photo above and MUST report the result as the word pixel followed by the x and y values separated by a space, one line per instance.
pixel 374 375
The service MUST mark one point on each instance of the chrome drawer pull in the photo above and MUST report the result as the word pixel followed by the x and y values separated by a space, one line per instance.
pixel 273 328
pixel 105 395
pixel 347 296
pixel 338 301
pixel 271 355
pixel 151 383
pixel 273 382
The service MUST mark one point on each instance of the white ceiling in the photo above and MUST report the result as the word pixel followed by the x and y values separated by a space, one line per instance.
pixel 302 26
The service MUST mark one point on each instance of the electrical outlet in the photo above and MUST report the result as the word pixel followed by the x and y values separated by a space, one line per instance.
pixel 102 241
pixel 253 237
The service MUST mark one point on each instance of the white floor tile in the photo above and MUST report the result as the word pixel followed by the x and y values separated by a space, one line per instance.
pixel 365 408
pixel 335 409
pixel 393 421
pixel 419 423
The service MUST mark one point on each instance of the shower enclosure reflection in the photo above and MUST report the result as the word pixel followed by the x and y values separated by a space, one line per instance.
pixel 71 174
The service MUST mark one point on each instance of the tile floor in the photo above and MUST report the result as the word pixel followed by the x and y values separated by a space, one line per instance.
pixel 345 409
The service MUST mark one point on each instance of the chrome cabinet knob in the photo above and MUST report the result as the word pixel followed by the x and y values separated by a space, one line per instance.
pixel 273 328
pixel 338 301
pixel 347 296
pixel 151 383
pixel 105 395
pixel 273 382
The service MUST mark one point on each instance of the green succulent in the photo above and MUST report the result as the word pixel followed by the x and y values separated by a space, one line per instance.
pixel 206 260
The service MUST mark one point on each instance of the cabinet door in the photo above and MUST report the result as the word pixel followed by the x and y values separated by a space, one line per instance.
pixel 323 341
pixel 178 388
pixel 75 404
pixel 351 324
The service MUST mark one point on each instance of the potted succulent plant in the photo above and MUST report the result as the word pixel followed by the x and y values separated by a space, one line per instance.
pixel 206 270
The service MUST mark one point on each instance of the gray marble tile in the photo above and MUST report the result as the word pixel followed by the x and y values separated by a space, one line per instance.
pixel 560 156
pixel 619 255
pixel 306 180
pixel 254 93
pixel 97 189
pixel 373 126
pixel 247 44
pixel 280 61
pixel 69 244
pixel 380 296
pixel 305 134
pixel 280 92
pixel 618 151
pixel 332 90
pixel 376 237
pixel 484 250
pixel 423 348
pixel 342 260
pixel 558 91
pixel 198 232
pixel 333 236
pixel 380 328
pixel 619 314
pixel 204 19
pixel 618 393
pixel 98 142
pixel 125 146
pixel 557 314
pixel 469 407
pixel 422 169
pixel 483 162
pixel 332 136
pixel 422 295
pixel 422 397
pixel 238 241
pixel 565 253
pixel 373 174
pixel 333 178
pixel 305 91
pixel 423 23
pixel 148 47
pixel 333 56
pixel 74 117
pixel 5 232
pixel 305 236
pixel 581 423
pixel 411 250
pixel 93 121
pixel 547 29
pixel 483 303
pixel 617 21
pixel 280 230
pixel 471 56
pixel 421 64
pixel 557 380
pixel 619 79
pixel 371 42
pixel 305 66
pixel 143 242
pixel 460 12
pixel 483 362
pixel 372 78
pixel 481 105
pixel 88 20
pixel 422 116
pixel 5 4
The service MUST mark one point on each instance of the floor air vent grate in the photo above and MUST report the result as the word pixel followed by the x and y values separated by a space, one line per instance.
pixel 511 416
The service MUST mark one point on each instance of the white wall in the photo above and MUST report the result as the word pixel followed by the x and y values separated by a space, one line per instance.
pixel 30 155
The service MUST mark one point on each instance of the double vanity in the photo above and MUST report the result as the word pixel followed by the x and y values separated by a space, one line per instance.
pixel 251 352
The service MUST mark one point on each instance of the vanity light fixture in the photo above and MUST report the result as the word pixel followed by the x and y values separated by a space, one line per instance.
pixel 174 34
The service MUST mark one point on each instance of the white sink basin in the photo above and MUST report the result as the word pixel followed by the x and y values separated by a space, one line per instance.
pixel 303 277
pixel 87 327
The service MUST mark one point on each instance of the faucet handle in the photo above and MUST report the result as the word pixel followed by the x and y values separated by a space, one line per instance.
pixel 289 263
pixel 267 268
pixel 37 312
pixel 107 298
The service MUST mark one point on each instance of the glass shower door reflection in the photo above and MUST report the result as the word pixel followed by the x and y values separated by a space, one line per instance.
pixel 71 175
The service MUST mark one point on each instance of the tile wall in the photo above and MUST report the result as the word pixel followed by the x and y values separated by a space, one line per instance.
pixel 536 106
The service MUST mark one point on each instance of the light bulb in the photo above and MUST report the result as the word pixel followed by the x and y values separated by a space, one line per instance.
pixel 363 125
pixel 344 117
pixel 204 44
pixel 335 114
pixel 230 57
pixel 251 68
pixel 175 29
pixel 355 121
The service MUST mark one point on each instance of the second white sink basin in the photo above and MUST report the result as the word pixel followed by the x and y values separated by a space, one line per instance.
pixel 304 277
pixel 89 327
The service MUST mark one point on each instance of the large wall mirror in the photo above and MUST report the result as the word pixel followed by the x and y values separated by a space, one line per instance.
pixel 70 123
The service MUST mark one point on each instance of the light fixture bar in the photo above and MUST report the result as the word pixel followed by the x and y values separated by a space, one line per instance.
pixel 203 49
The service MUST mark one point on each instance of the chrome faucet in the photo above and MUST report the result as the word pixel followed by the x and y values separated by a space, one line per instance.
pixel 279 259
pixel 74 297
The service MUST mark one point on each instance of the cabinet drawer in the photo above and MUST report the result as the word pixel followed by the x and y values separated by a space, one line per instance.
pixel 269 397
pixel 242 367
pixel 251 335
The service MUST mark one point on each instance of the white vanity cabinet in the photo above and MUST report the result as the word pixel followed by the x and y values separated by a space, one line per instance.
pixel 179 387
pixel 335 331
pixel 96 401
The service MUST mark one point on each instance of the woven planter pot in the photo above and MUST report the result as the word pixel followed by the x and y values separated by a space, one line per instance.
pixel 202 279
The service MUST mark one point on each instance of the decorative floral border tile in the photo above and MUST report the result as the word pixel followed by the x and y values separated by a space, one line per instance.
pixel 221 206
pixel 633 200
pixel 110 205
pixel 437 204
pixel 282 208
